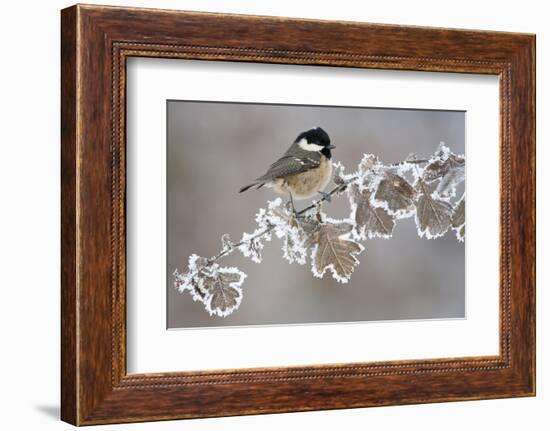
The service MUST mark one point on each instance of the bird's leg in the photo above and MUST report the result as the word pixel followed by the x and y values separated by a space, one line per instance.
pixel 292 203
pixel 326 196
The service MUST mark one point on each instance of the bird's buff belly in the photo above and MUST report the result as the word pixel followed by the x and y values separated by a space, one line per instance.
pixel 306 184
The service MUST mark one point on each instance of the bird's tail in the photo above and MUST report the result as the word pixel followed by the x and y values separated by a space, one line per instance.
pixel 245 188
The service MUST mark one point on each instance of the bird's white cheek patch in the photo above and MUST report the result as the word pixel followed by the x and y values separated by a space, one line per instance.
pixel 305 145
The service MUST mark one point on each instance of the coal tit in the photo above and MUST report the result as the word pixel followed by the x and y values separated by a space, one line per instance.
pixel 304 170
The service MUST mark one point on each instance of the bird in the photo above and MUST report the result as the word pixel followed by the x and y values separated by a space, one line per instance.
pixel 304 170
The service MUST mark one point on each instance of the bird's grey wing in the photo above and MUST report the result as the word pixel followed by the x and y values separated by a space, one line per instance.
pixel 290 165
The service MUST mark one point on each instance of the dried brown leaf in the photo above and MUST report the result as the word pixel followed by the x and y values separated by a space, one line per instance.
pixel 368 162
pixel 224 294
pixel 395 194
pixel 331 251
pixel 370 221
pixel 458 221
pixel 433 216
pixel 450 171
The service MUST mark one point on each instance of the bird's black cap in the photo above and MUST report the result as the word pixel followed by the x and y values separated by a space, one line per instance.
pixel 315 136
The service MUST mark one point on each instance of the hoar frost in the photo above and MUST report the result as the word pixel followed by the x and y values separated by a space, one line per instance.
pixel 218 288
pixel 378 196
pixel 333 249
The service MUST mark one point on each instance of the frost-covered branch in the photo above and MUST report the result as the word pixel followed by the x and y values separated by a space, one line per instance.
pixel 228 247
pixel 378 195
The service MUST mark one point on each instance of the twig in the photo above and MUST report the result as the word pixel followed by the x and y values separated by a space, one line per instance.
pixel 229 250
pixel 325 197
pixel 413 162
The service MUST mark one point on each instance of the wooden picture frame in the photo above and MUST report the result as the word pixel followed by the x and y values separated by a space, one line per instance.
pixel 95 43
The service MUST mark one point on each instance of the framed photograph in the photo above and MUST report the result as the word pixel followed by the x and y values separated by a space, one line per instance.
pixel 263 214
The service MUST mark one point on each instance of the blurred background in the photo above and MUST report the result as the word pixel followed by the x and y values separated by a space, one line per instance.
pixel 215 148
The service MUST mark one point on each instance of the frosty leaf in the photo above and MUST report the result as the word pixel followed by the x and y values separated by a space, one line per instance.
pixel 291 232
pixel 262 218
pixel 402 169
pixel 449 168
pixel 433 216
pixel 191 280
pixel 370 221
pixel 293 248
pixel 331 251
pixel 461 233
pixel 395 194
pixel 223 290
pixel 310 224
pixel 182 282
pixel 459 215
pixel 454 176
pixel 197 262
pixel 252 246
pixel 281 217
pixel 368 162
pixel 458 221
pixel 441 167
pixel 369 172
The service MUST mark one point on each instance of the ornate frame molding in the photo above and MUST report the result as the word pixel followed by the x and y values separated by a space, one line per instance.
pixel 96 41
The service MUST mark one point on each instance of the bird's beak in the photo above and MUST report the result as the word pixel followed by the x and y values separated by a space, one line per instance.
pixel 331 147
